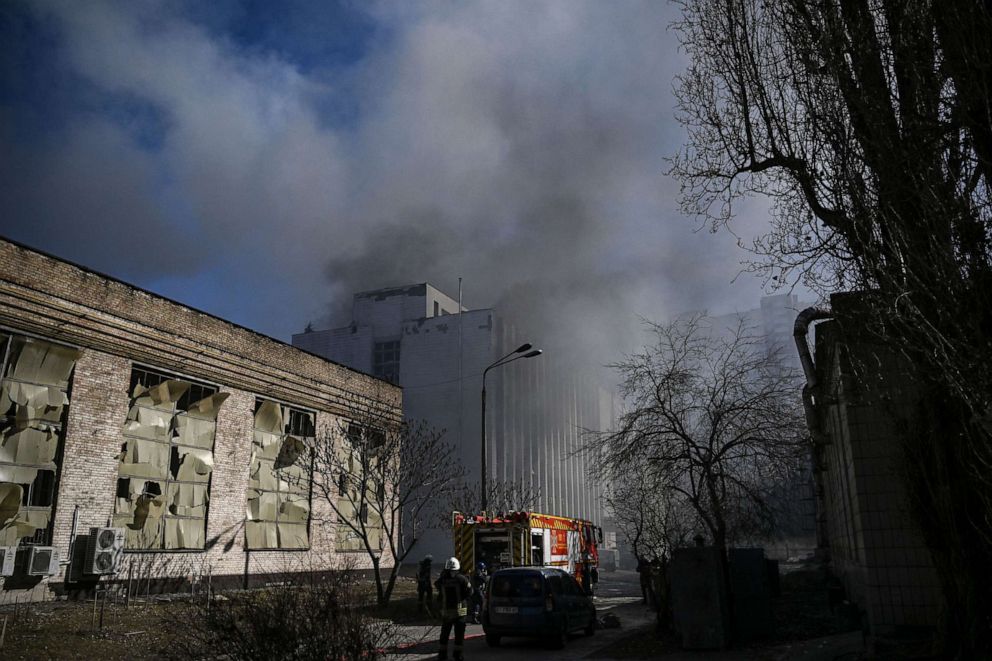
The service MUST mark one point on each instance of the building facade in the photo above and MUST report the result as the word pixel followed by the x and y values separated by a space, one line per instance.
pixel 125 410
pixel 865 396
pixel 537 409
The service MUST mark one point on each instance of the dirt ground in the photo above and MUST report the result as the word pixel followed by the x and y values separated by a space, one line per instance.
pixel 143 630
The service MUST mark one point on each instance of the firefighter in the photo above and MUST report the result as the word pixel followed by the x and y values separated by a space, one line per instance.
pixel 424 594
pixel 453 591
pixel 478 591
pixel 644 571
pixel 587 569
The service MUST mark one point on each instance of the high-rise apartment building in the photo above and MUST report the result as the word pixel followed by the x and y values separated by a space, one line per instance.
pixel 422 339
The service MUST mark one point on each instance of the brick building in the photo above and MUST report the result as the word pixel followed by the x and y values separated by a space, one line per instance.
pixel 121 408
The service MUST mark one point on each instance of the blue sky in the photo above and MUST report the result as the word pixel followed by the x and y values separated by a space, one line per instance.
pixel 263 160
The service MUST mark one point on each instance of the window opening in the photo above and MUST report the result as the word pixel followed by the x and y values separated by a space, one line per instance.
pixel 279 481
pixel 34 402
pixel 386 360
pixel 359 464
pixel 167 460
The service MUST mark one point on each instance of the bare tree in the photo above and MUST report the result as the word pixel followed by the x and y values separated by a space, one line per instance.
pixel 869 125
pixel 385 481
pixel 653 519
pixel 502 496
pixel 712 418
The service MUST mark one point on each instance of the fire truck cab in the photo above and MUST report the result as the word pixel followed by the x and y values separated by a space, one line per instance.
pixel 526 539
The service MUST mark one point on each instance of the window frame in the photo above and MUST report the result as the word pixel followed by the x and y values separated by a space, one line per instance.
pixel 386 355
pixel 295 413
pixel 161 376
pixel 42 536
pixel 354 431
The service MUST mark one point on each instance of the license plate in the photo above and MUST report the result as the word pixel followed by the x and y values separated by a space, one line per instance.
pixel 506 610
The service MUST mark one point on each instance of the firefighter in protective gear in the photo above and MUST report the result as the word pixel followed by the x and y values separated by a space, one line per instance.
pixel 424 595
pixel 478 592
pixel 453 590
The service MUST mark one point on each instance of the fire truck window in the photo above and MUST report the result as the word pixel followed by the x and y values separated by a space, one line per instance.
pixel 537 549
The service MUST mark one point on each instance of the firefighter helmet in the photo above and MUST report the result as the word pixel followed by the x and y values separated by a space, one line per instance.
pixel 452 564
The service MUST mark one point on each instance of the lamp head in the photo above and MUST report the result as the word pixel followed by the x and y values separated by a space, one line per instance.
pixel 523 347
pixel 535 352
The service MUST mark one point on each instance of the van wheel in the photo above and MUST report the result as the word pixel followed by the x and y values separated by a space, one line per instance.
pixel 493 639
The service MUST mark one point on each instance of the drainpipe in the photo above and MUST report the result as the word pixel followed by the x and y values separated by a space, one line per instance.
pixel 67 563
pixel 800 333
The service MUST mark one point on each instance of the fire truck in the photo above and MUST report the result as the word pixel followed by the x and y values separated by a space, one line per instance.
pixel 521 539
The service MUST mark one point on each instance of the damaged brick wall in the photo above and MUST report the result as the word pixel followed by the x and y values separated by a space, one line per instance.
pixel 118 328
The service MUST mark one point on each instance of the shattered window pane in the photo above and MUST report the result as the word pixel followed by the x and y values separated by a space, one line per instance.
pixel 34 399
pixel 278 502
pixel 359 465
pixel 163 486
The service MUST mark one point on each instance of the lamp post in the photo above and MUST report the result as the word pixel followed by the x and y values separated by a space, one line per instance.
pixel 516 354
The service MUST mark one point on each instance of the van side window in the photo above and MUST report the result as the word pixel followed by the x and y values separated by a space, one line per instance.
pixel 555 582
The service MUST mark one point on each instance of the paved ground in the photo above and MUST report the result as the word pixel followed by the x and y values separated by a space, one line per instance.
pixel 619 593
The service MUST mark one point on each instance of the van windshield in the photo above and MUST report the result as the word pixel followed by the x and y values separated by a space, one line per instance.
pixel 518 586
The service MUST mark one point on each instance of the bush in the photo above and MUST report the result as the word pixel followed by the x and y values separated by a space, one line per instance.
pixel 307 616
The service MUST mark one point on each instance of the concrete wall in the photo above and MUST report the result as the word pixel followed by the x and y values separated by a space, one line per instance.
pixel 866 396
pixel 117 326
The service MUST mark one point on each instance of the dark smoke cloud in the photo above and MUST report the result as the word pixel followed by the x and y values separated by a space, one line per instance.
pixel 518 145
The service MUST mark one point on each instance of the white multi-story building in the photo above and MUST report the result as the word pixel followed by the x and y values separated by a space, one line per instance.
pixel 423 340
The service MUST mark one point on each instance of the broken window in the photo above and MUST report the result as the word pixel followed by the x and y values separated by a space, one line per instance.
pixel 386 360
pixel 34 399
pixel 278 513
pixel 163 478
pixel 359 461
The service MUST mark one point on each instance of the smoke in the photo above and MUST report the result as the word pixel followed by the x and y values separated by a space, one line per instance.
pixel 521 147
pixel 517 145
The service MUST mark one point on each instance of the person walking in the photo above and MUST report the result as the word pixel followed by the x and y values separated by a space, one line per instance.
pixel 478 591
pixel 453 591
pixel 424 594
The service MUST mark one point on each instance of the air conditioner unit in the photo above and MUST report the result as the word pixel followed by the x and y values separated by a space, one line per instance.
pixel 103 550
pixel 43 561
pixel 7 555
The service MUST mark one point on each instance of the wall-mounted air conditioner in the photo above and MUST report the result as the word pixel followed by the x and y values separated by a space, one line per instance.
pixel 43 561
pixel 7 556
pixel 103 550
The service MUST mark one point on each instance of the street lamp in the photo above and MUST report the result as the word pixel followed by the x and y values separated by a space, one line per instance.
pixel 516 354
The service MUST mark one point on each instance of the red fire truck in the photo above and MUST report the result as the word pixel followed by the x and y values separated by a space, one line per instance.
pixel 520 539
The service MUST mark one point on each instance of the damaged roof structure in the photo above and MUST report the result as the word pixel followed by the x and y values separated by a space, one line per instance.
pixel 181 433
